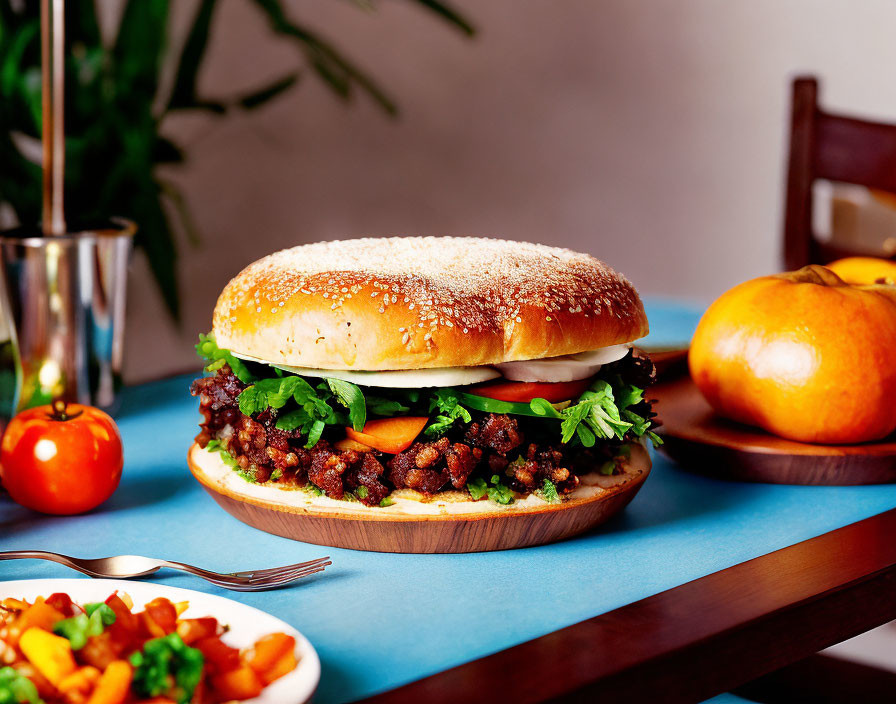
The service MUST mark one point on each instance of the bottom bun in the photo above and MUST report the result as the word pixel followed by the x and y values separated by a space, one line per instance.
pixel 447 522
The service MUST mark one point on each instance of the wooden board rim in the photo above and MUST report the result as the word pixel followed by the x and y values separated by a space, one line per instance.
pixel 428 532
pixel 703 442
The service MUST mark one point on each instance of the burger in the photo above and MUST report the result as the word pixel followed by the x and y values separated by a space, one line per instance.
pixel 423 377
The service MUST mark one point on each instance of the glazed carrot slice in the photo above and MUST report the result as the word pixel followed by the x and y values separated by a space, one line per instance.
pixel 392 435
pixel 113 684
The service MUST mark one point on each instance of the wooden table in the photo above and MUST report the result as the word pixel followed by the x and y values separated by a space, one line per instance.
pixel 699 586
pixel 694 641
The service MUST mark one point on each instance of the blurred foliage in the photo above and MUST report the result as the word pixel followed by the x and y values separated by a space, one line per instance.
pixel 114 110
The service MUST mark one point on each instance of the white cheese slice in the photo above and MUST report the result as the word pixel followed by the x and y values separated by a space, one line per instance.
pixel 570 367
pixel 398 379
pixel 566 368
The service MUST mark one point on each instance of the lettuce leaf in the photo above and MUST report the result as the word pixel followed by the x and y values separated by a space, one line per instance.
pixel 208 349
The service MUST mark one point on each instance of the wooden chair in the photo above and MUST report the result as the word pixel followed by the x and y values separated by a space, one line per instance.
pixel 835 148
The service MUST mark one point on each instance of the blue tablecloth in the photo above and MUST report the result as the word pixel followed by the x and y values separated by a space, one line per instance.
pixel 381 620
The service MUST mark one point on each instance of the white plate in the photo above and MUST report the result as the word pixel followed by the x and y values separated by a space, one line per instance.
pixel 247 624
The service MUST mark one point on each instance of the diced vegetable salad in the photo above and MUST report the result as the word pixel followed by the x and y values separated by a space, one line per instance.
pixel 54 651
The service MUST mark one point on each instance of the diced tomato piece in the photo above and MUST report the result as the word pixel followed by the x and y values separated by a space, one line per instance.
pixel 160 617
pixel 39 615
pixel 241 683
pixel 125 631
pixel 286 664
pixel 268 651
pixel 525 391
pixel 100 651
pixel 192 629
pixel 63 603
pixel 219 656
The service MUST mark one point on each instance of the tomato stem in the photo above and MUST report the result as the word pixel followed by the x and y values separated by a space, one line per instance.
pixel 60 411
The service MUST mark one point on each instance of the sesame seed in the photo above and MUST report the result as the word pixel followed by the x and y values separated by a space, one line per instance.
pixel 483 284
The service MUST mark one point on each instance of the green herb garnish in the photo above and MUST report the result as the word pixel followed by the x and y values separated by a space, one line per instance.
pixel 160 661
pixel 498 492
pixel 81 627
pixel 446 402
pixel 549 492
pixel 477 488
pixel 216 445
pixel 15 688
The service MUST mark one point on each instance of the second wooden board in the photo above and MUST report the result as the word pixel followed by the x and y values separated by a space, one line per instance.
pixel 702 441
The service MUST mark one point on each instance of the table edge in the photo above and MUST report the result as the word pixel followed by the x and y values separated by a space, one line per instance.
pixel 825 590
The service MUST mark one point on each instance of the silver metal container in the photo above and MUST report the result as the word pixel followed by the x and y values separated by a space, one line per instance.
pixel 65 299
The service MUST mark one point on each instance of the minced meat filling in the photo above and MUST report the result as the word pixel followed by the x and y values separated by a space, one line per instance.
pixel 492 444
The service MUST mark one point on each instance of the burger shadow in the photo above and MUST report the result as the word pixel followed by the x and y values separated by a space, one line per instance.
pixel 17 519
pixel 145 491
pixel 673 495
pixel 130 494
pixel 146 397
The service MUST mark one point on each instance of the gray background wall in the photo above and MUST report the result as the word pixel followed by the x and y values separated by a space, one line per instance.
pixel 650 134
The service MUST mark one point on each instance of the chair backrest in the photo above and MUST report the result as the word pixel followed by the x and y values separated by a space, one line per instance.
pixel 835 148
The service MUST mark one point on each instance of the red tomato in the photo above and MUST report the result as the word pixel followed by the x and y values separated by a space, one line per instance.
pixel 61 459
pixel 525 391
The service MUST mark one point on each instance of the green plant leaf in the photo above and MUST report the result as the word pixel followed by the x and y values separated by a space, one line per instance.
pixel 181 208
pixel 155 237
pixel 142 35
pixel 336 70
pixel 81 24
pixel 184 93
pixel 269 92
pixel 450 14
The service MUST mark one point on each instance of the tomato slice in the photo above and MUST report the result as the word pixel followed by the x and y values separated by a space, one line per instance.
pixel 525 391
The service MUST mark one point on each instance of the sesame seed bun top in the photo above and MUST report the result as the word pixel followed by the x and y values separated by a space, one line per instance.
pixel 424 302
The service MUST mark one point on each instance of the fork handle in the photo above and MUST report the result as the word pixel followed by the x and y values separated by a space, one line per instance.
pixel 43 555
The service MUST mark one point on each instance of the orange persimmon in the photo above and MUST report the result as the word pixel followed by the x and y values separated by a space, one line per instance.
pixel 392 435
pixel 803 355
pixel 865 270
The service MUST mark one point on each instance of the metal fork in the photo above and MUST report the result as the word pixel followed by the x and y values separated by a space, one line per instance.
pixel 131 566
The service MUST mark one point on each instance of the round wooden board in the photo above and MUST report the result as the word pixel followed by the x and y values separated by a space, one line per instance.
pixel 405 533
pixel 704 442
